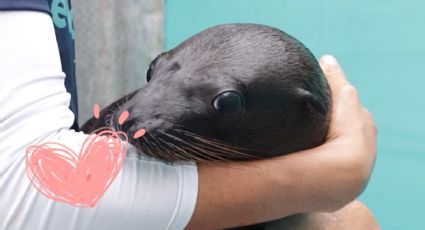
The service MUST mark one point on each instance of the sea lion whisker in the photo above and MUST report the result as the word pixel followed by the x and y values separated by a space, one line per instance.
pixel 225 152
pixel 187 155
pixel 204 147
pixel 218 144
pixel 213 149
pixel 178 148
pixel 161 151
pixel 161 148
pixel 209 151
pixel 181 141
pixel 208 155
pixel 147 146
pixel 172 148
pixel 218 155
pixel 154 142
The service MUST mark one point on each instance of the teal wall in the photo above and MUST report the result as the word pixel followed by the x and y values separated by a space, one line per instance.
pixel 381 47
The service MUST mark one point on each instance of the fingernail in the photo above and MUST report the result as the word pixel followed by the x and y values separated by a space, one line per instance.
pixel 329 60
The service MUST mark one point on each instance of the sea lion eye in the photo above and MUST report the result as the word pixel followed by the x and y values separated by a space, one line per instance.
pixel 148 75
pixel 229 102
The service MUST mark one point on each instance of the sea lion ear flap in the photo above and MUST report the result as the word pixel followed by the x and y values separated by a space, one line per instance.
pixel 310 101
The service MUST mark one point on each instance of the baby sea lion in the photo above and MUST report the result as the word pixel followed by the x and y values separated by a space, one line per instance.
pixel 231 92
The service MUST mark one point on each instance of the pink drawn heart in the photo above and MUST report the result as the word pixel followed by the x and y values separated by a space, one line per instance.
pixel 80 180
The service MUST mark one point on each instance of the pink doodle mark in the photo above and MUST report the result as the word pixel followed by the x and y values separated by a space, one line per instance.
pixel 139 133
pixel 123 117
pixel 96 111
pixel 81 179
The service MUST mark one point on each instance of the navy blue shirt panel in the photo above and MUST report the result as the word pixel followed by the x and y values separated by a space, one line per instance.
pixel 62 16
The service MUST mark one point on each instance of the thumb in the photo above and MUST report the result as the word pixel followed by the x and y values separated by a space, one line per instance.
pixel 333 73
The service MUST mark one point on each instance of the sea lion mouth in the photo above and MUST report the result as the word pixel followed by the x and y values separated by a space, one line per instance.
pixel 183 145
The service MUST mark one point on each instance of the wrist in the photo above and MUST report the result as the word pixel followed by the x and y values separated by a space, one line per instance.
pixel 319 179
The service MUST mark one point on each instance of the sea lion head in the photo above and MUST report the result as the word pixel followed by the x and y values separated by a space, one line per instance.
pixel 235 91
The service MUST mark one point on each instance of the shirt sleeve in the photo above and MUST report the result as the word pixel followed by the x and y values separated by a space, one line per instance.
pixel 147 193
pixel 62 17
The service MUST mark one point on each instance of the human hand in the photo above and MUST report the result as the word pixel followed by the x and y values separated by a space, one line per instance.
pixel 345 162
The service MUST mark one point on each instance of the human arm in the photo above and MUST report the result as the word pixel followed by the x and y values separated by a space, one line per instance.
pixel 146 194
pixel 322 179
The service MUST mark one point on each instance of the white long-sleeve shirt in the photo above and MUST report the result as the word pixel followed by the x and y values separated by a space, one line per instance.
pixel 147 193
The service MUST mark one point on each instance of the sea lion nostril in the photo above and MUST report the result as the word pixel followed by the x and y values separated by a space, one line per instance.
pixel 128 125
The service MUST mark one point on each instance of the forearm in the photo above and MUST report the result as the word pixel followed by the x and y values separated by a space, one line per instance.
pixel 236 194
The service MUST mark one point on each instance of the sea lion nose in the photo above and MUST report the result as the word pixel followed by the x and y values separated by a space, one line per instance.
pixel 128 125
pixel 151 125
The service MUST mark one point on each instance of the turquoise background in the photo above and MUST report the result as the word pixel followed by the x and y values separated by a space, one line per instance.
pixel 381 47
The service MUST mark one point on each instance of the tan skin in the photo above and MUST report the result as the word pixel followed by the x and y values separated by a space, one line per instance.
pixel 353 216
pixel 323 179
